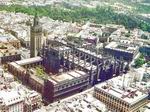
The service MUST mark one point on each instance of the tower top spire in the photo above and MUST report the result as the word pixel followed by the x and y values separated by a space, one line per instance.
pixel 36 19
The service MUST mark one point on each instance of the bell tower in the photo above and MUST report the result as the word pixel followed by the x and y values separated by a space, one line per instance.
pixel 36 37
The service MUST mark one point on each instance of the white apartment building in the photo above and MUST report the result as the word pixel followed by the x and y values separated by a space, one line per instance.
pixel 11 101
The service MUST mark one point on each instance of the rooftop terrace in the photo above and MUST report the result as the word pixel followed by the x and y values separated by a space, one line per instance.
pixel 68 76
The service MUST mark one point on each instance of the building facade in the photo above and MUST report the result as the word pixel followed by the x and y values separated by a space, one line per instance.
pixel 122 50
pixel 33 102
pixel 11 102
pixel 53 86
pixel 71 82
pixel 120 98
pixel 146 51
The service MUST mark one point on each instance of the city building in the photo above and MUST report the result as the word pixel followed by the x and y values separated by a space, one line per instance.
pixel 7 2
pixel 100 67
pixel 20 70
pixel 8 38
pixel 9 46
pixel 65 84
pixel 8 53
pixel 52 86
pixel 20 100
pixel 8 77
pixel 123 94
pixel 146 51
pixel 36 37
pixel 22 33
pixel 32 101
pixel 14 97
pixel 83 101
pixel 123 49
pixel 11 101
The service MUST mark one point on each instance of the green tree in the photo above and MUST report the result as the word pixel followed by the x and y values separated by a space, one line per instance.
pixel 139 62
pixel 100 15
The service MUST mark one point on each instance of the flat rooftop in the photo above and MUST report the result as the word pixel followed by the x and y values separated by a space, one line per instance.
pixel 62 77
pixel 7 50
pixel 126 93
pixel 7 38
pixel 122 47
pixel 17 66
pixel 29 61
pixel 10 97
pixel 55 78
